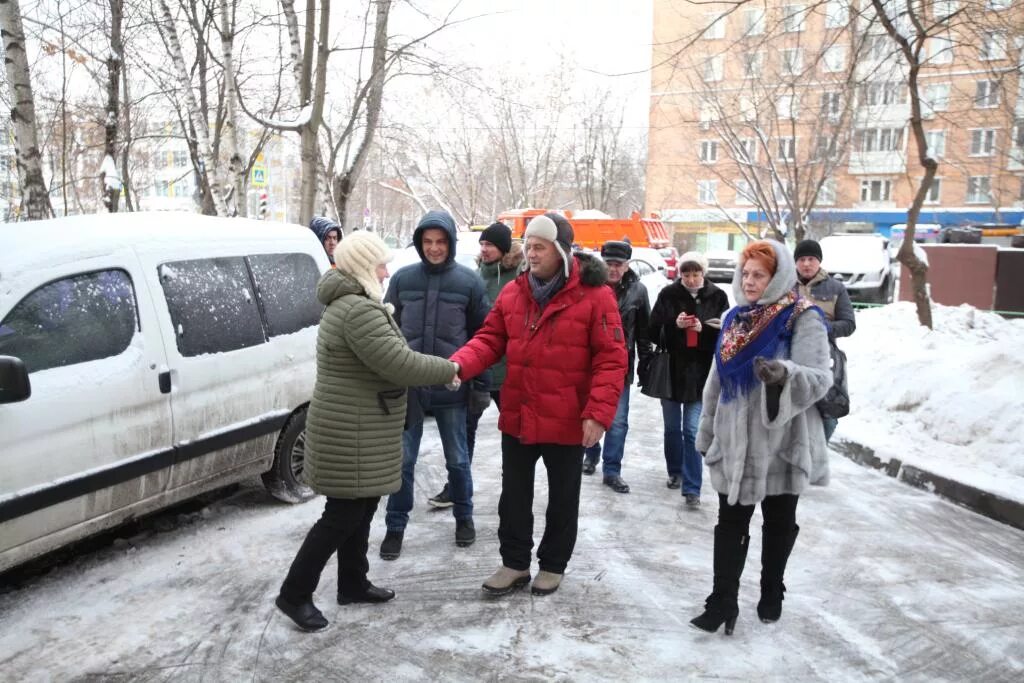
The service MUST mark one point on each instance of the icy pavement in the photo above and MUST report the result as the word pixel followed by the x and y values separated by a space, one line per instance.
pixel 885 582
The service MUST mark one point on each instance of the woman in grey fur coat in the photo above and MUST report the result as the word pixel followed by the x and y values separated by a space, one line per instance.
pixel 760 431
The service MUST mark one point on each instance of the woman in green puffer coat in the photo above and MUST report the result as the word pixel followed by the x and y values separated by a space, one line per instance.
pixel 354 425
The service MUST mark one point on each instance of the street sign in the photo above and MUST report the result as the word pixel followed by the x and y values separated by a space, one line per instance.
pixel 259 175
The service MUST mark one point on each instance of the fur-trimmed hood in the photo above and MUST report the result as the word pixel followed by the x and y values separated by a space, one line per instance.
pixel 593 271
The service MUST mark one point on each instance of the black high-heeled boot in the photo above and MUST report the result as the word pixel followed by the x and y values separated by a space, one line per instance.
pixel 721 606
pixel 775 551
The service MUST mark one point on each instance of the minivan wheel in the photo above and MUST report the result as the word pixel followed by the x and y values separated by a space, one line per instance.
pixel 284 479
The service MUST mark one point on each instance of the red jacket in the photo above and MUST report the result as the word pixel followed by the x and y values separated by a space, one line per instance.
pixel 564 367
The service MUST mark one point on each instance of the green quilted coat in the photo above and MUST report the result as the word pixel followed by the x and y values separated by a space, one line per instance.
pixel 355 421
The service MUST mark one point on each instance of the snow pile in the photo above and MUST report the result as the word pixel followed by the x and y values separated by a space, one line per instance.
pixel 949 400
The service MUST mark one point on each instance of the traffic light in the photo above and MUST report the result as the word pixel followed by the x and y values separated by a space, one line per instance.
pixel 263 206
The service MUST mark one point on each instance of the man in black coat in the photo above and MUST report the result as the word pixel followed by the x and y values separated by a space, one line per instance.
pixel 635 309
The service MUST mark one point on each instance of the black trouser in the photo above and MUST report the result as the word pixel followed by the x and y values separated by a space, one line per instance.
pixel 344 527
pixel 473 419
pixel 515 508
pixel 779 513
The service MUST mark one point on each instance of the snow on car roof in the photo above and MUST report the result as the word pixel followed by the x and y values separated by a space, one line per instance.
pixel 76 237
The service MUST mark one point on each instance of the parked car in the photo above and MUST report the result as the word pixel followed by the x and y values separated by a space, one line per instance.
pixel 862 263
pixel 671 256
pixel 147 358
pixel 721 265
pixel 647 260
pixel 960 234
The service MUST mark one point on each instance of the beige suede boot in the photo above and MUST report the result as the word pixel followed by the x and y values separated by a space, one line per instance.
pixel 506 580
pixel 546 583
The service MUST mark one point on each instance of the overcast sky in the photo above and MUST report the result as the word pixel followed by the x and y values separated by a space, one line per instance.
pixel 602 37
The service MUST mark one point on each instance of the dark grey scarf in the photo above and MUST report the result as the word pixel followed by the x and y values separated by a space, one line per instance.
pixel 543 292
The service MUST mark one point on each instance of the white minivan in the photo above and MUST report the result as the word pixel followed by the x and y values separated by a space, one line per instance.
pixel 146 358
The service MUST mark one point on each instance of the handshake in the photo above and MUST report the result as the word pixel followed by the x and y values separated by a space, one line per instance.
pixel 456 382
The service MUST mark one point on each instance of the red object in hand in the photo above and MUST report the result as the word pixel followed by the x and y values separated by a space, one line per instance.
pixel 691 337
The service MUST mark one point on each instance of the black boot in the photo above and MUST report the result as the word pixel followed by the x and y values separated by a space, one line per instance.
pixel 304 613
pixel 775 550
pixel 721 606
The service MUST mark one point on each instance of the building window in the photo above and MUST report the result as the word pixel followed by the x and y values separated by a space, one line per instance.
pixel 709 151
pixel 876 47
pixel 999 4
pixel 753 21
pixel 993 45
pixel 826 147
pixel 837 13
pixel 875 190
pixel 753 64
pixel 747 150
pixel 793 17
pixel 879 139
pixel 180 158
pixel 1020 192
pixel 986 94
pixel 744 195
pixel 748 110
pixel 983 142
pixel 934 98
pixel 162 188
pixel 934 195
pixel 708 115
pixel 788 107
pixel 707 191
pixel 936 141
pixel 716 27
pixel 831 105
pixel 826 193
pixel 783 192
pixel 787 148
pixel 940 50
pixel 834 59
pixel 792 60
pixel 714 69
pixel 979 189
pixel 882 93
pixel 1018 134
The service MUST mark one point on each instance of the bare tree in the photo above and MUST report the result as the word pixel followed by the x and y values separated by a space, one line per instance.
pixel 35 200
pixel 110 178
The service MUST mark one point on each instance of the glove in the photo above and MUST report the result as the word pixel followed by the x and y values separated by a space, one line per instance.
pixel 769 371
pixel 478 401
pixel 643 367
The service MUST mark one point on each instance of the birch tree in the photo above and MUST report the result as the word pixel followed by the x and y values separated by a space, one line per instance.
pixel 35 200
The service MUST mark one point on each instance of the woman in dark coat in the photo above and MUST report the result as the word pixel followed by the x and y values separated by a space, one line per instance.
pixel 686 319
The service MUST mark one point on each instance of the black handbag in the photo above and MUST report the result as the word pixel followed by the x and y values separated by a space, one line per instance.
pixel 836 403
pixel 658 378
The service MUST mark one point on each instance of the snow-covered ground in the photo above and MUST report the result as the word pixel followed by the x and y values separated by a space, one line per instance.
pixel 886 582
pixel 950 400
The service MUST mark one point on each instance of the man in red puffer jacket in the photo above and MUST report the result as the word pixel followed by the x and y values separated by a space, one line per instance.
pixel 559 329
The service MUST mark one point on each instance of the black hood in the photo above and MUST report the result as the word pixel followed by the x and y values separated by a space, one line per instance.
pixel 441 220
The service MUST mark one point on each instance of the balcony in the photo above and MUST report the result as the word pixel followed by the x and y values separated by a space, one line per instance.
pixel 877 163
pixel 882 115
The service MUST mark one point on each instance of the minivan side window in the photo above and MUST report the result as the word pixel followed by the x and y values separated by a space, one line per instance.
pixel 212 305
pixel 72 320
pixel 286 285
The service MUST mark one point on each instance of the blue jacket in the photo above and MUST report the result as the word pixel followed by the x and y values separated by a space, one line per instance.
pixel 438 307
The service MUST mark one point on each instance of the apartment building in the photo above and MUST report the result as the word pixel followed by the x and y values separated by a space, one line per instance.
pixel 781 110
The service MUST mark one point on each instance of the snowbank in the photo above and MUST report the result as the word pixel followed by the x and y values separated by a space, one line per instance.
pixel 949 400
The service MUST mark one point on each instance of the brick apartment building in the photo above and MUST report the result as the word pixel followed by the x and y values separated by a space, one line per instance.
pixel 772 106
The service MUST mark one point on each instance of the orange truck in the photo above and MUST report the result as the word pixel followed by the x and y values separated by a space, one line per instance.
pixel 591 233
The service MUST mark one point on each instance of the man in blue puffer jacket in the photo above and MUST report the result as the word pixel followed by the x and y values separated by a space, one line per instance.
pixel 439 305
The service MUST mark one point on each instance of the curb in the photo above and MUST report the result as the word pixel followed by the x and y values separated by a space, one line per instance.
pixel 993 506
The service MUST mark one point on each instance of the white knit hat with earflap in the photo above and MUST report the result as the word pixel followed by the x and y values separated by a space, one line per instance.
pixel 358 255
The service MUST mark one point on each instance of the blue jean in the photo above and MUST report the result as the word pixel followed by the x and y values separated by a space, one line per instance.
pixel 614 440
pixel 451 424
pixel 681 456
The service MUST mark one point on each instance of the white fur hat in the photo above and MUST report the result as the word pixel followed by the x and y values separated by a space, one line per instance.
pixel 693 257
pixel 359 254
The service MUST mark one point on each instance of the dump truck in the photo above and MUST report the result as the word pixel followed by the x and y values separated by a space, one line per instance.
pixel 592 228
